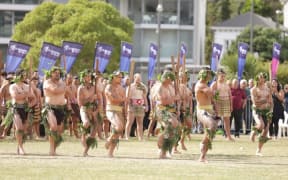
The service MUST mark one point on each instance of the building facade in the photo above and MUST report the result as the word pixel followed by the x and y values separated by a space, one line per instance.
pixel 11 12
pixel 182 21
pixel 285 13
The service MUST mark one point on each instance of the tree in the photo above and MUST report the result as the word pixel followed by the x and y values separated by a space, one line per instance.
pixel 78 21
pixel 217 11
pixel 266 8
pixel 263 42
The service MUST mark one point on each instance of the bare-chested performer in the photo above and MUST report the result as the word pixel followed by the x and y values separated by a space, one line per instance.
pixel 262 110
pixel 55 110
pixel 166 113
pixel 223 102
pixel 186 108
pixel 152 116
pixel 5 98
pixel 100 115
pixel 37 105
pixel 86 99
pixel 20 96
pixel 137 106
pixel 115 99
pixel 205 111
pixel 75 114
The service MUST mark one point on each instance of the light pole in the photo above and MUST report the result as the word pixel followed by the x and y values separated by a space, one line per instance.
pixel 159 10
pixel 278 12
pixel 251 26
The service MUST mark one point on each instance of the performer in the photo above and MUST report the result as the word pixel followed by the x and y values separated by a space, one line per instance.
pixel 152 116
pixel 75 114
pixel 86 99
pixel 137 106
pixel 106 123
pixel 115 99
pixel 186 108
pixel 223 103
pixel 166 113
pixel 100 105
pixel 20 96
pixel 55 110
pixel 205 112
pixel 5 98
pixel 37 105
pixel 262 105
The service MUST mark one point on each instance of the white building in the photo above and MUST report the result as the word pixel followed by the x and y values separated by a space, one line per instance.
pixel 182 21
pixel 285 13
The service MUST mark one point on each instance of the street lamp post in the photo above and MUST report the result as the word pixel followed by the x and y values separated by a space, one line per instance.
pixel 159 10
pixel 278 12
pixel 251 26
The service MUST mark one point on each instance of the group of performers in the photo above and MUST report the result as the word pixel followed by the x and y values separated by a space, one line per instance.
pixel 108 105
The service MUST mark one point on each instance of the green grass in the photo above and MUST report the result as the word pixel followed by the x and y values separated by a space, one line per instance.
pixel 139 160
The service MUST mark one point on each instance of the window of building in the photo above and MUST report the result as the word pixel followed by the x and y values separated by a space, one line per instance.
pixel 186 37
pixel 169 14
pixel 186 12
pixel 6 1
pixel 150 36
pixel 115 3
pixel 168 43
pixel 19 16
pixel 5 23
pixel 135 10
pixel 136 44
pixel 3 48
pixel 27 1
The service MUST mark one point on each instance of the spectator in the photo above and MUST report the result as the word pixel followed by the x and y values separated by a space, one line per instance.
pixel 286 98
pixel 238 96
pixel 278 109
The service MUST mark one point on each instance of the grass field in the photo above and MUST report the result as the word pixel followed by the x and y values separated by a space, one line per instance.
pixel 139 160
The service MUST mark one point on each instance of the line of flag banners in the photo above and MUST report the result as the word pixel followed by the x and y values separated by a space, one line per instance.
pixel 69 52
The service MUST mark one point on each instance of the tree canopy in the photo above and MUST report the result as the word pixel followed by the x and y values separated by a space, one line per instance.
pixel 266 8
pixel 263 42
pixel 79 21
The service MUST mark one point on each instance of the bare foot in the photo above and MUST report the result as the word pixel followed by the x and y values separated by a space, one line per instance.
pixel 110 156
pixel 52 153
pixel 175 151
pixel 230 139
pixel 203 160
pixel 259 154
pixel 252 136
pixel 183 147
pixel 20 151
pixel 162 156
pixel 85 154
pixel 107 144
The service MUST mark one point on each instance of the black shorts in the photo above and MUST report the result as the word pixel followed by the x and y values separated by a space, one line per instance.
pixel 60 114
pixel 22 113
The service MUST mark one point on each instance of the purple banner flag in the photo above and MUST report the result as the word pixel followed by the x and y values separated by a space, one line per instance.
pixel 275 59
pixel 183 52
pixel 153 52
pixel 216 53
pixel 49 54
pixel 126 53
pixel 15 54
pixel 242 53
pixel 103 54
pixel 70 50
